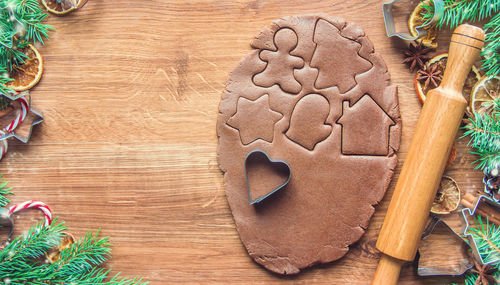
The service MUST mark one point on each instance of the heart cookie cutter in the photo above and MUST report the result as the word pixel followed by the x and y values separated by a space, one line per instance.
pixel 261 198
pixel 390 28
pixel 467 212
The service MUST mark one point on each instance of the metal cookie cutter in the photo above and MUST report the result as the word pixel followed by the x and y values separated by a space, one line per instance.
pixel 280 163
pixel 460 264
pixel 6 221
pixel 466 213
pixel 35 117
pixel 390 28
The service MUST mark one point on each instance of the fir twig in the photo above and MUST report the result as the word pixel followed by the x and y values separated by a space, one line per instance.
pixel 17 258
pixel 460 11
pixel 491 51
pixel 20 25
pixel 78 264
pixel 487 237
pixel 484 132
pixel 4 190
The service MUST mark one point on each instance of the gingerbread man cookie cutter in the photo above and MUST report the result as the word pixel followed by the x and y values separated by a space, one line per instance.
pixel 464 215
pixel 390 28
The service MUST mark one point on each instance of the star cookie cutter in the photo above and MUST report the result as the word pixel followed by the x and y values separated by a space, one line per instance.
pixel 36 118
pixel 390 28
pixel 272 162
pixel 465 214
pixel 6 221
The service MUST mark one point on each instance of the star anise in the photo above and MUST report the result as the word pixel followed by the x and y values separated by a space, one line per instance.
pixel 431 75
pixel 416 55
pixel 485 274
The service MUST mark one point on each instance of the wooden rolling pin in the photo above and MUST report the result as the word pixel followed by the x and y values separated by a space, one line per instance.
pixel 424 166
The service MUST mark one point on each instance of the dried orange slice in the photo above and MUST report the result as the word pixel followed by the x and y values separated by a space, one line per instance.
pixel 483 93
pixel 67 239
pixel 27 75
pixel 447 197
pixel 415 20
pixel 61 7
pixel 440 61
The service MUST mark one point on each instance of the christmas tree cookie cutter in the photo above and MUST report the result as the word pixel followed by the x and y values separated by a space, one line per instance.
pixel 281 163
pixel 468 213
pixel 390 27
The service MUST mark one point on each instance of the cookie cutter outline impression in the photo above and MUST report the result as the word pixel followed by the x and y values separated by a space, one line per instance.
pixel 465 213
pixel 278 161
pixel 390 28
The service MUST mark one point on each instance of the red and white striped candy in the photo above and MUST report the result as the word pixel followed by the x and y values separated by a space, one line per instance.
pixel 25 108
pixel 4 145
pixel 21 115
pixel 34 204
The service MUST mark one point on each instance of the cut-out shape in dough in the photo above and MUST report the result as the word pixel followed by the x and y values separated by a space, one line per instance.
pixel 365 119
pixel 254 119
pixel 264 176
pixel 307 125
pixel 280 63
pixel 336 57
pixel 328 203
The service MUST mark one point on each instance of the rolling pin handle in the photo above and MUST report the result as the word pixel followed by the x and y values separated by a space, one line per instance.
pixel 388 270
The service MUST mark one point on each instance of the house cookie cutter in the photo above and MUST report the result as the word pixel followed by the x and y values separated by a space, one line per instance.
pixel 432 271
pixel 279 162
pixel 390 28
pixel 465 213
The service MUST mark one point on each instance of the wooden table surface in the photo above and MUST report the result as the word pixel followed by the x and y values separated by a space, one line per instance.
pixel 130 95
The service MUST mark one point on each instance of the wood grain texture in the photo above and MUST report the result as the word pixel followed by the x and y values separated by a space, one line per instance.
pixel 130 95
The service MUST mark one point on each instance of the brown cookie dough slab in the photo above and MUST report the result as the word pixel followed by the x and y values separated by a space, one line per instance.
pixel 312 93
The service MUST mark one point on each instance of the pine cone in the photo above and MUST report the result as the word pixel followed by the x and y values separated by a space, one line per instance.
pixel 491 182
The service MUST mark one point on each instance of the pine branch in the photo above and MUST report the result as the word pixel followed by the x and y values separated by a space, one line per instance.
pixel 4 190
pixel 487 237
pixel 20 25
pixel 491 51
pixel 78 264
pixel 457 12
pixel 484 132
pixel 17 258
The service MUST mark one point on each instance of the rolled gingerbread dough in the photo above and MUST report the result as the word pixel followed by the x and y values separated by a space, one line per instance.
pixel 312 93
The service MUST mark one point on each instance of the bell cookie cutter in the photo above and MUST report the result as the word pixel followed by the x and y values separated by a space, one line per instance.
pixel 279 162
pixel 390 28
pixel 465 214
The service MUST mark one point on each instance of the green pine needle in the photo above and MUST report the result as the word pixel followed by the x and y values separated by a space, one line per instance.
pixel 20 25
pixel 457 12
pixel 17 256
pixel 484 132
pixel 4 190
pixel 487 237
pixel 22 261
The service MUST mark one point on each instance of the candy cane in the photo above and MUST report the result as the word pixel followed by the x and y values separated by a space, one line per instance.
pixel 4 145
pixel 34 204
pixel 25 107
